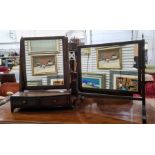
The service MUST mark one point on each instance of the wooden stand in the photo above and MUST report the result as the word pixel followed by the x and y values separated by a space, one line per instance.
pixel 48 94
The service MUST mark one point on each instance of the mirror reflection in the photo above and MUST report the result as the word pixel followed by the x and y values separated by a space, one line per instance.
pixel 110 67
pixel 44 62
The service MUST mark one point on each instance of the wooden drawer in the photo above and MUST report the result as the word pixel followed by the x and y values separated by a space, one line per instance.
pixel 54 101
pixel 24 102
pixel 39 102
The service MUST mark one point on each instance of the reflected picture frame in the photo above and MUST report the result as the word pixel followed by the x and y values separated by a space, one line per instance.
pixel 43 64
pixel 86 51
pixel 109 57
pixel 93 81
pixel 49 46
pixel 55 78
pixel 34 83
pixel 124 81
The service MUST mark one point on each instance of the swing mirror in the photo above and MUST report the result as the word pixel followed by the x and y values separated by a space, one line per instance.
pixel 43 62
pixel 110 68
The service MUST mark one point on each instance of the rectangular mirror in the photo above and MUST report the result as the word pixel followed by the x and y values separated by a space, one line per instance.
pixel 113 68
pixel 43 62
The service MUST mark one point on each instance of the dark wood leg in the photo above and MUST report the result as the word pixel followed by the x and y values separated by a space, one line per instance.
pixel 144 121
pixel 12 109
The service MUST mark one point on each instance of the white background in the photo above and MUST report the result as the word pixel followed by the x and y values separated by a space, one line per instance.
pixel 77 139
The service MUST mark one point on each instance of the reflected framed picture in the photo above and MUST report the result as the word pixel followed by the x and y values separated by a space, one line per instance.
pixel 86 51
pixel 43 64
pixel 43 46
pixel 109 58
pixel 55 80
pixel 58 82
pixel 96 81
pixel 34 83
pixel 124 80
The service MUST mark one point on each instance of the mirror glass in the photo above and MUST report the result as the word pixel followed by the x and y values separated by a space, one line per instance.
pixel 44 62
pixel 110 67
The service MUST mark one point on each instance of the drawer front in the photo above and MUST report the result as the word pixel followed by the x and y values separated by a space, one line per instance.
pixel 24 102
pixel 41 102
pixel 54 101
